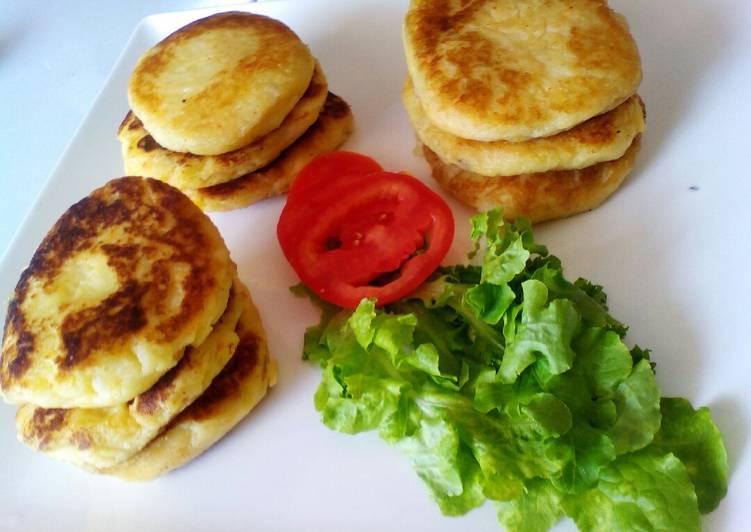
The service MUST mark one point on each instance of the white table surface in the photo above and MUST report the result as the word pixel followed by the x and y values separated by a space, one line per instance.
pixel 54 60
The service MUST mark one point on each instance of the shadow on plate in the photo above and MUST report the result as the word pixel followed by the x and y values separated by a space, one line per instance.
pixel 679 53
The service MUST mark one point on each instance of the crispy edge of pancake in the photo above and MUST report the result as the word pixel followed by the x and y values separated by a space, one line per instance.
pixel 233 107
pixel 538 196
pixel 230 397
pixel 142 155
pixel 333 127
pixel 64 364
pixel 514 70
pixel 102 437
pixel 603 138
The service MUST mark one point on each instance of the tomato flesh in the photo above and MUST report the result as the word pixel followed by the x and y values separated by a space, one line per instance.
pixel 316 186
pixel 373 234
pixel 379 226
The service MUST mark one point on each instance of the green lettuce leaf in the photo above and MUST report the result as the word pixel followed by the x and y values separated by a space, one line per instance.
pixel 537 510
pixel 692 436
pixel 489 301
pixel 589 452
pixel 642 491
pixel 434 453
pixel 637 401
pixel 604 359
pixel 545 330
pixel 505 381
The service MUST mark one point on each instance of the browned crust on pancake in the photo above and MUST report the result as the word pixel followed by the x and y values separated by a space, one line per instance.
pixel 429 27
pixel 537 196
pixel 46 421
pixel 602 138
pixel 103 325
pixel 141 206
pixel 242 383
pixel 148 402
pixel 229 108
pixel 151 400
pixel 600 130
pixel 277 177
pixel 142 84
pixel 118 433
pixel 476 79
pixel 15 365
pixel 226 384
pixel 229 165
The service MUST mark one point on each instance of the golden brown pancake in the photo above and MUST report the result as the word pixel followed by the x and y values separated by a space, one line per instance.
pixel 142 155
pixel 538 196
pixel 102 437
pixel 603 138
pixel 126 279
pixel 242 383
pixel 220 83
pixel 331 129
pixel 518 69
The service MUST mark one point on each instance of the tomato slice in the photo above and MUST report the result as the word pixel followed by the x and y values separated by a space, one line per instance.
pixel 374 235
pixel 316 186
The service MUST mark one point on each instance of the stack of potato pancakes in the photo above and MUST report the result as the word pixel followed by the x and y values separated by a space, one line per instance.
pixel 130 344
pixel 529 105
pixel 229 109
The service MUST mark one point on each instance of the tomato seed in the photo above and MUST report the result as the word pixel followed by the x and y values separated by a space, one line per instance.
pixel 332 243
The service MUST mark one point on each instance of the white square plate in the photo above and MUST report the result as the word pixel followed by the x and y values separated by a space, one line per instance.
pixel 671 248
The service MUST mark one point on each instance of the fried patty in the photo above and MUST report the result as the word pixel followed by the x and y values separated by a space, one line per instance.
pixel 603 138
pixel 126 279
pixel 332 128
pixel 220 83
pixel 513 70
pixel 102 437
pixel 536 196
pixel 142 155
pixel 242 383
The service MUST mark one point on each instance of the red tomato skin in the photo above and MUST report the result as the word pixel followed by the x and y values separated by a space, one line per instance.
pixel 308 192
pixel 344 208
pixel 330 167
